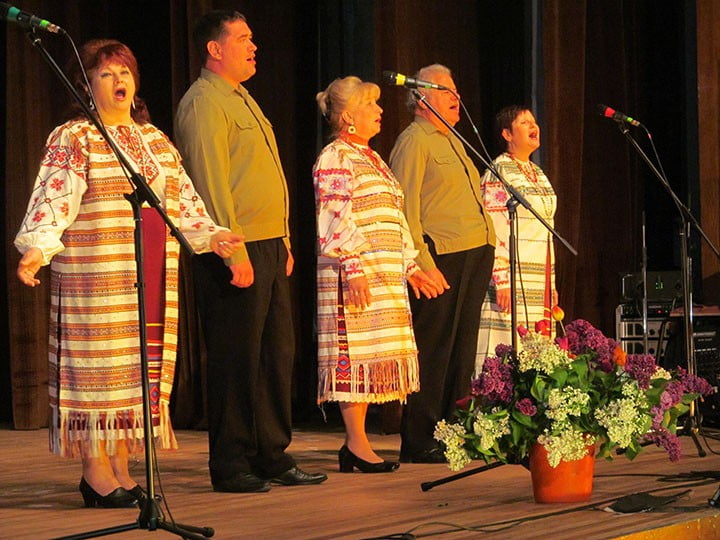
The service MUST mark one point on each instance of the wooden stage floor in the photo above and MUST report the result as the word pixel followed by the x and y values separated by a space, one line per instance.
pixel 39 497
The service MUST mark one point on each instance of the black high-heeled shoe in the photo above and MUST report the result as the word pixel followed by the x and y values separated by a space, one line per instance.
pixel 348 461
pixel 138 493
pixel 119 498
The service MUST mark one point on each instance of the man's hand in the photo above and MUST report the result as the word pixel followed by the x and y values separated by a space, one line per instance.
pixel 421 283
pixel 290 264
pixel 437 276
pixel 243 274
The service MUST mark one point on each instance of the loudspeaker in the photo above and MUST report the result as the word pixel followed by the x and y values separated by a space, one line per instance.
pixel 663 286
pixel 706 341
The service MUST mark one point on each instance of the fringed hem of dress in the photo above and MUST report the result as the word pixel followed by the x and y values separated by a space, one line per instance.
pixel 80 434
pixel 370 382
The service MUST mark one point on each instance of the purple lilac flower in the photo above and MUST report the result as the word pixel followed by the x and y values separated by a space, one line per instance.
pixel 606 364
pixel 495 382
pixel 526 406
pixel 583 338
pixel 502 350
pixel 475 385
pixel 641 367
pixel 657 412
pixel 671 443
pixel 693 384
pixel 671 396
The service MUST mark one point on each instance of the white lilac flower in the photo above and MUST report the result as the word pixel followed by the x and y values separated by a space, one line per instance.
pixel 451 435
pixel 490 429
pixel 631 390
pixel 564 402
pixel 623 420
pixel 568 445
pixel 457 457
pixel 541 354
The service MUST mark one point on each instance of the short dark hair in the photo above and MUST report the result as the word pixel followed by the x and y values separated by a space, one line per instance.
pixel 210 27
pixel 504 119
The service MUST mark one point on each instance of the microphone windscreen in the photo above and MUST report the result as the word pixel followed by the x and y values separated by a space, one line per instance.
pixel 389 77
pixel 604 110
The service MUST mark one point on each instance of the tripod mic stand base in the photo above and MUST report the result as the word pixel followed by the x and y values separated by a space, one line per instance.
pixel 151 518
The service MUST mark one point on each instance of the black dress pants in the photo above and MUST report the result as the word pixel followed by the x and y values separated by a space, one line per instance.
pixel 250 347
pixel 446 332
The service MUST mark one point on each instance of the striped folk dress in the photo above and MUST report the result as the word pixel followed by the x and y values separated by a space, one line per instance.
pixel 79 218
pixel 535 279
pixel 363 355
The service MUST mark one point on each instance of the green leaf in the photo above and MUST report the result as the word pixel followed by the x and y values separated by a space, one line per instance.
pixel 521 418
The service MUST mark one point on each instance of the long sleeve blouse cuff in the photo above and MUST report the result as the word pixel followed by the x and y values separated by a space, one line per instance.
pixel 48 251
pixel 352 266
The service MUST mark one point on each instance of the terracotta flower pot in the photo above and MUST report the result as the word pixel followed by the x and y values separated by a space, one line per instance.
pixel 570 481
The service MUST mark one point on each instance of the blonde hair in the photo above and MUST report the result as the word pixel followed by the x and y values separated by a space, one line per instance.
pixel 342 95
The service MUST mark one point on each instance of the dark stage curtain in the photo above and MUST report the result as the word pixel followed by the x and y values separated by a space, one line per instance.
pixel 636 56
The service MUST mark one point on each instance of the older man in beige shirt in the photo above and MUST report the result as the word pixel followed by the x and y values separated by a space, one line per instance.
pixel 456 239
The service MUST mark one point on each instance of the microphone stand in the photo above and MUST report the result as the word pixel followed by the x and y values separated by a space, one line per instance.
pixel 692 425
pixel 151 516
pixel 515 198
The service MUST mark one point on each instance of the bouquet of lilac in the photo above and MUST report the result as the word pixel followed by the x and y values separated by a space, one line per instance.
pixel 578 390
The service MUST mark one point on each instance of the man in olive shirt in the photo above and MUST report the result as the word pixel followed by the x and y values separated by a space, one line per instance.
pixel 443 206
pixel 244 302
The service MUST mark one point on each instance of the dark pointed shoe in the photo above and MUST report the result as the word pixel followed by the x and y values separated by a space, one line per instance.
pixel 432 455
pixel 242 483
pixel 297 477
pixel 348 461
pixel 119 498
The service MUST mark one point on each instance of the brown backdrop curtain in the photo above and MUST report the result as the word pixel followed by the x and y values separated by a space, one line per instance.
pixel 590 53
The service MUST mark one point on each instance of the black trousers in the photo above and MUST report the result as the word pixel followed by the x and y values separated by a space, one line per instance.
pixel 250 347
pixel 446 332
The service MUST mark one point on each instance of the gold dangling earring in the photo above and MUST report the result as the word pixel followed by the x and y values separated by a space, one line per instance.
pixel 351 129
pixel 132 104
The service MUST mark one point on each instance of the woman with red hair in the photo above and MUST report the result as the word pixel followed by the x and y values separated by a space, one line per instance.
pixel 80 223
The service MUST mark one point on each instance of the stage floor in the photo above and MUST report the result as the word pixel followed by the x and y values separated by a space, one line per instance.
pixel 39 497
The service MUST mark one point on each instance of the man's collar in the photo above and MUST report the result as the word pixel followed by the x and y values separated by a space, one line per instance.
pixel 220 83
pixel 427 126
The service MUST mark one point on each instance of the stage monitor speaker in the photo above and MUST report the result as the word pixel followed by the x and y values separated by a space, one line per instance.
pixel 706 341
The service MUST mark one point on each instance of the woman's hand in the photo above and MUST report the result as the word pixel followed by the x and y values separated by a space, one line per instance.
pixel 422 283
pixel 359 292
pixel 29 265
pixel 225 243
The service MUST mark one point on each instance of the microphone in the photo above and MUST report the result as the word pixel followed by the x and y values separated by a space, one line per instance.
pixel 397 79
pixel 27 20
pixel 609 112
